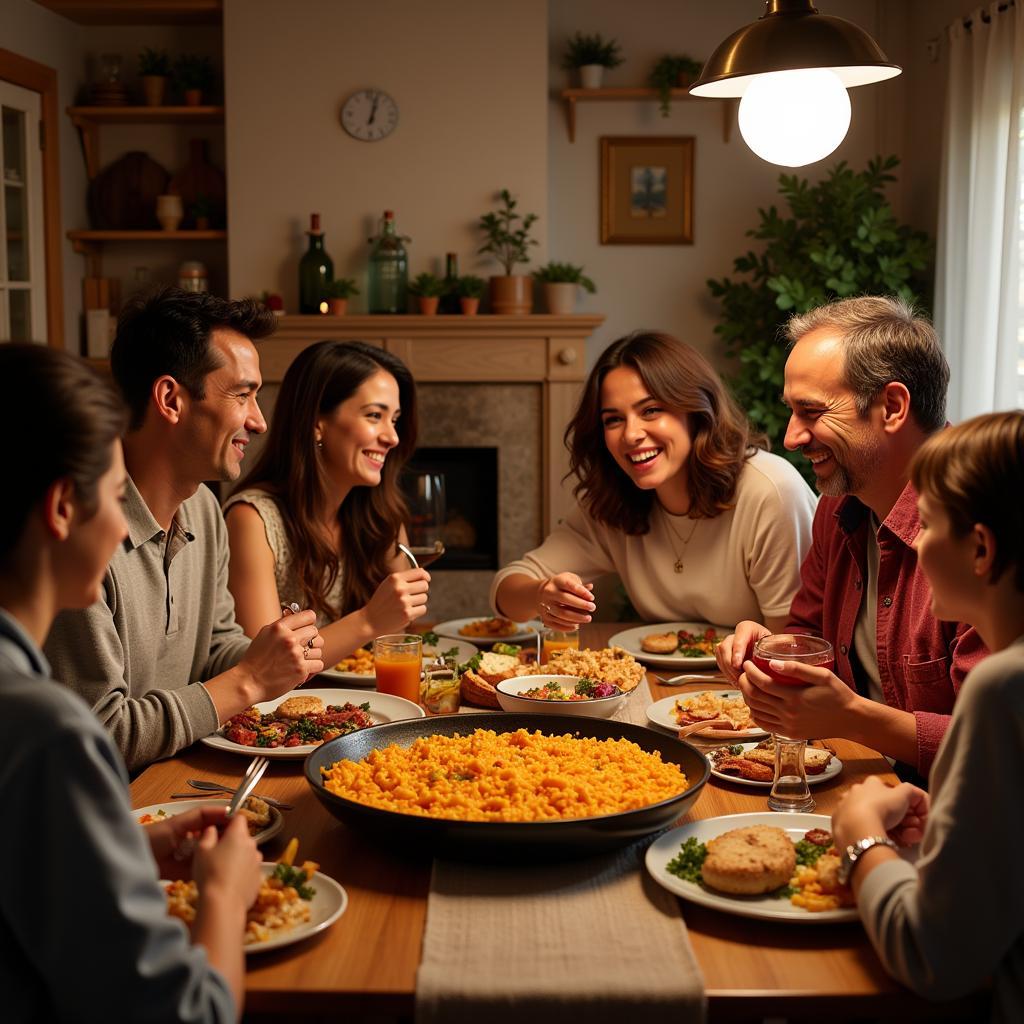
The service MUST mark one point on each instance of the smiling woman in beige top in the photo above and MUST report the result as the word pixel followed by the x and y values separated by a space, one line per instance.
pixel 676 495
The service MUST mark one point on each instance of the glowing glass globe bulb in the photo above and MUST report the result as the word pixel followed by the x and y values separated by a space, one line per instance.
pixel 795 117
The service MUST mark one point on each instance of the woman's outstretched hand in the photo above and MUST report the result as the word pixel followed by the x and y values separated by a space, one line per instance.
pixel 565 601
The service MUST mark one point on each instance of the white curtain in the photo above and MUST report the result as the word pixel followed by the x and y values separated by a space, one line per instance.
pixel 977 294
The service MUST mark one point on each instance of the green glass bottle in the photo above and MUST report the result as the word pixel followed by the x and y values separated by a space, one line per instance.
pixel 450 299
pixel 316 271
pixel 389 269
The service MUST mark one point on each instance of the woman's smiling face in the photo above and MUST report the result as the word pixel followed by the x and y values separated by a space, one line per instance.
pixel 649 441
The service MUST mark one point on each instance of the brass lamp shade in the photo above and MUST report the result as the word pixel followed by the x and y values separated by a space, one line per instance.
pixel 791 34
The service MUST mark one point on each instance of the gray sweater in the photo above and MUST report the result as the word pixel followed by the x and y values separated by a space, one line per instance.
pixel 84 931
pixel 165 622
pixel 957 919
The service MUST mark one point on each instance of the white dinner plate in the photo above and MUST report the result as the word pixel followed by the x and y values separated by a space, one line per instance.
pixel 835 766
pixel 384 707
pixel 525 631
pixel 661 713
pixel 768 908
pixel 173 807
pixel 465 652
pixel 629 639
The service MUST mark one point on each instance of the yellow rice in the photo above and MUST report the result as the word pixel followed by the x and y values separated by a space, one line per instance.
pixel 518 776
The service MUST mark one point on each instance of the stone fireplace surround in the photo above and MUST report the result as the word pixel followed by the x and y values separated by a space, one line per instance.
pixel 505 381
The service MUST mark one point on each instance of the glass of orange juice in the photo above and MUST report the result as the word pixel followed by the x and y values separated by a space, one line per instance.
pixel 553 641
pixel 397 660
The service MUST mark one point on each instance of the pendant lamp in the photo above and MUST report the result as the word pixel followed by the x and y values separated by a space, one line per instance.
pixel 791 69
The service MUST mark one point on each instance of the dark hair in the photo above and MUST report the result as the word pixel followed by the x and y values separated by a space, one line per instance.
pixel 168 332
pixel 319 379
pixel 683 379
pixel 884 340
pixel 975 470
pixel 60 419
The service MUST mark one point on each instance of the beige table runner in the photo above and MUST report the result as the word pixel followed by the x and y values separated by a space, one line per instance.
pixel 524 945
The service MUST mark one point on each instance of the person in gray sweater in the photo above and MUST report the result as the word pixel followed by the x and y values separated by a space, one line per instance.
pixel 159 657
pixel 84 929
pixel 955 919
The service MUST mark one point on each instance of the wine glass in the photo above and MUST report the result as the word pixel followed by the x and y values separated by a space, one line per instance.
pixel 790 791
pixel 424 492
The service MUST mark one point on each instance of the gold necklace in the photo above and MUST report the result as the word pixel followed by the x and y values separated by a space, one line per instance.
pixel 678 565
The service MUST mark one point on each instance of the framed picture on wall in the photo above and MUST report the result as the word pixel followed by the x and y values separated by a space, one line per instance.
pixel 646 190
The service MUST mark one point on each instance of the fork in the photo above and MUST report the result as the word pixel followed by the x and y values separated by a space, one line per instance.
pixel 217 787
pixel 686 677
pixel 252 776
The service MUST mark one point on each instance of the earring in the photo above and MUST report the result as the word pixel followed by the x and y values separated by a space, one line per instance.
pixel 319 444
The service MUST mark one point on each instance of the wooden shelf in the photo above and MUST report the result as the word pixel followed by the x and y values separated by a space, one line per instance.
pixel 88 120
pixel 88 241
pixel 574 96
pixel 138 12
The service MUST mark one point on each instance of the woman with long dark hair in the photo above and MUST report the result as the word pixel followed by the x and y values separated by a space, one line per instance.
pixel 85 927
pixel 676 495
pixel 318 519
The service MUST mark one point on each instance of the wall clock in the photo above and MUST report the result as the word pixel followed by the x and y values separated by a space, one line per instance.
pixel 369 115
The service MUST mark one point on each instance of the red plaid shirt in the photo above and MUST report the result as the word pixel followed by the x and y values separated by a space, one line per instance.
pixel 922 662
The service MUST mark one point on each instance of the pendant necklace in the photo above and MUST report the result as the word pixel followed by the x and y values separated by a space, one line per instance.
pixel 678 566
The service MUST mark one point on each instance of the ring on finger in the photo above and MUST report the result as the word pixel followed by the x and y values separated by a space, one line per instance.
pixel 309 642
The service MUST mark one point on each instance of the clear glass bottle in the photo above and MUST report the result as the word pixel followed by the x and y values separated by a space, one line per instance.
pixel 450 299
pixel 316 271
pixel 389 269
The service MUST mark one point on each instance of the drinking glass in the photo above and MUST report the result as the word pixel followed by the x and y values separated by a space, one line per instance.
pixel 790 791
pixel 425 495
pixel 397 660
pixel 555 640
pixel 441 689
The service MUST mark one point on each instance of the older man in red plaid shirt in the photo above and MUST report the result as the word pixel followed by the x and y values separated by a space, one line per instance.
pixel 866 384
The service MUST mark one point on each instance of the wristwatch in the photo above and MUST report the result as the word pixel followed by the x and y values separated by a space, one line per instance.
pixel 855 851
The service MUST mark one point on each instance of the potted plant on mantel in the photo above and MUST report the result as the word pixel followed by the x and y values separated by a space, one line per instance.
pixel 672 72
pixel 509 243
pixel 591 55
pixel 470 289
pixel 193 75
pixel 428 289
pixel 154 69
pixel 560 283
pixel 338 292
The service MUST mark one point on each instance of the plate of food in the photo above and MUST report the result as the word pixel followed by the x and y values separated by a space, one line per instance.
pixel 292 904
pixel 297 723
pixel 753 764
pixel 265 821
pixel 777 867
pixel 673 644
pixel 489 629
pixel 357 669
pixel 724 706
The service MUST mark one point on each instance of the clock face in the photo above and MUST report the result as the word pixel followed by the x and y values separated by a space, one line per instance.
pixel 369 115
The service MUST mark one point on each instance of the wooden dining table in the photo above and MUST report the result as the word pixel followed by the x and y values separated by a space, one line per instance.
pixel 366 963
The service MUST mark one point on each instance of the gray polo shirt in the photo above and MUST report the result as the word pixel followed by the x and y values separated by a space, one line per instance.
pixel 165 622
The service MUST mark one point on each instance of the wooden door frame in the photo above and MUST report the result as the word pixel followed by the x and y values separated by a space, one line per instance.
pixel 39 78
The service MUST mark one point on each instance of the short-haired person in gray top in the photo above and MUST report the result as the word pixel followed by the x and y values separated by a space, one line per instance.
pixel 159 657
pixel 84 929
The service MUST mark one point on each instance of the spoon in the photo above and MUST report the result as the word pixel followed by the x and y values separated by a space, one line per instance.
pixel 686 677
pixel 216 787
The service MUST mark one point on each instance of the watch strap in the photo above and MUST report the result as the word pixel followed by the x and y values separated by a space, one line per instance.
pixel 856 850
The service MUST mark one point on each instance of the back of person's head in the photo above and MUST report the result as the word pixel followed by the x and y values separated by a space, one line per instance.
pixel 679 376
pixel 167 332
pixel 884 340
pixel 60 420
pixel 975 470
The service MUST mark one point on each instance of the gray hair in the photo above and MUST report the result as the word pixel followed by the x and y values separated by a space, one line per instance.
pixel 884 340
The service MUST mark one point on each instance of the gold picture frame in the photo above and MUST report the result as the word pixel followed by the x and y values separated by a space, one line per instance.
pixel 647 190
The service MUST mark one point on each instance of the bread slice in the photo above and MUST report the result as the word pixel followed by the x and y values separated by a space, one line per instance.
pixel 476 690
pixel 495 667
pixel 816 760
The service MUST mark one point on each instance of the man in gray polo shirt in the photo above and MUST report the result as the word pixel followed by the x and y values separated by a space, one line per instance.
pixel 160 658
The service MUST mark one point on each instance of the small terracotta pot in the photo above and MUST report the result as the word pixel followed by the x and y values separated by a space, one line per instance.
pixel 560 297
pixel 512 295
pixel 154 88
pixel 591 76
pixel 338 307
pixel 202 223
pixel 428 304
pixel 193 97
pixel 468 305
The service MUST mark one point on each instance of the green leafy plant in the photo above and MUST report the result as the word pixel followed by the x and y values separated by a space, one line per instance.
pixel 839 239
pixel 470 287
pixel 665 74
pixel 564 273
pixel 342 288
pixel 154 62
pixel 427 286
pixel 192 71
pixel 582 50
pixel 201 206
pixel 507 242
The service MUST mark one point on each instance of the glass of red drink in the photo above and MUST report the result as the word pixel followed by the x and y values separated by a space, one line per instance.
pixel 789 788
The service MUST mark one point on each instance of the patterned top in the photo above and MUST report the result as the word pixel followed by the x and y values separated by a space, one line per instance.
pixel 288 588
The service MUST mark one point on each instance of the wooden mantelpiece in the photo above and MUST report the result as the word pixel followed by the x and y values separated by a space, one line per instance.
pixel 540 349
